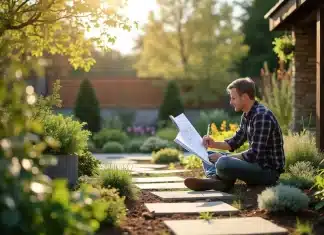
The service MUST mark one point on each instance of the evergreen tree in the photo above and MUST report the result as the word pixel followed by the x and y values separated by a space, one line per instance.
pixel 258 37
pixel 172 103
pixel 87 106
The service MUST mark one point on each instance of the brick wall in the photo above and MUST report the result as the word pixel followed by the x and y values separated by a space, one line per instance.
pixel 304 78
pixel 131 93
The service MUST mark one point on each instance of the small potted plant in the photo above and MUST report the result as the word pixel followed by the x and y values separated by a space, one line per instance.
pixel 73 141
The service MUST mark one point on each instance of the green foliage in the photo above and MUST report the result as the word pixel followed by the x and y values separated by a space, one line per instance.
pixel 301 175
pixel 257 37
pixel 216 116
pixel 44 105
pixel 303 228
pixel 116 209
pixel 166 156
pixel 205 64
pixel 120 179
pixel 319 185
pixel 134 146
pixel 301 147
pixel 191 162
pixel 153 144
pixel 30 202
pixel 205 215
pixel 40 28
pixel 284 47
pixel 112 122
pixel 168 133
pixel 283 198
pixel 91 146
pixel 72 137
pixel 109 135
pixel 87 107
pixel 278 98
pixel 88 164
pixel 172 103
pixel 113 147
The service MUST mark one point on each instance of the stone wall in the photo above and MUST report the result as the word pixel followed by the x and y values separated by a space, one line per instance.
pixel 304 78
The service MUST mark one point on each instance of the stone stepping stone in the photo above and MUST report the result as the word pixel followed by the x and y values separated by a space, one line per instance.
pixel 154 166
pixel 233 226
pixel 193 195
pixel 178 185
pixel 161 171
pixel 158 179
pixel 140 158
pixel 218 207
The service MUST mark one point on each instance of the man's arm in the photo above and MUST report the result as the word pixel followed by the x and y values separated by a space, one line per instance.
pixel 262 126
pixel 238 139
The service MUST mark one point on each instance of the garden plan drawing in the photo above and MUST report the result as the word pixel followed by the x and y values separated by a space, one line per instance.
pixel 189 138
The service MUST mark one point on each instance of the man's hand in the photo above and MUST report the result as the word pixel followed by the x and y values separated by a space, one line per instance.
pixel 207 141
pixel 214 157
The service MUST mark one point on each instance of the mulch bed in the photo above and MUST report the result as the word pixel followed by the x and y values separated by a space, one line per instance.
pixel 140 221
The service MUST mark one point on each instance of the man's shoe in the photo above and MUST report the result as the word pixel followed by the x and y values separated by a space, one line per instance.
pixel 196 184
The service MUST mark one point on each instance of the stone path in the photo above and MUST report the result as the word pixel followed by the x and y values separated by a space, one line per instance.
pixel 165 186
pixel 189 202
pixel 158 179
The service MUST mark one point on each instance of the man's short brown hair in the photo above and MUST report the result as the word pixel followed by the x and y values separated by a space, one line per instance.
pixel 243 86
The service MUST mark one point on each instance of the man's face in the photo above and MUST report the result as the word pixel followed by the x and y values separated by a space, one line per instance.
pixel 236 100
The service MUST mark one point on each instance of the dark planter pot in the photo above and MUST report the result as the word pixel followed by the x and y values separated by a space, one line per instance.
pixel 66 168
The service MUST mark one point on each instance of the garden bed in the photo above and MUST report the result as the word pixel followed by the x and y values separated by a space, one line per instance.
pixel 140 221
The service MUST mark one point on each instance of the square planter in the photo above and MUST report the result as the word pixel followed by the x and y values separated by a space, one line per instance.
pixel 66 167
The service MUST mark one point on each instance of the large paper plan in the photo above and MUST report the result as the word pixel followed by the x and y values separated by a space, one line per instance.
pixel 189 138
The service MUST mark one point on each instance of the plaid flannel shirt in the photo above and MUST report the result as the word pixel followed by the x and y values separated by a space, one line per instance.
pixel 260 127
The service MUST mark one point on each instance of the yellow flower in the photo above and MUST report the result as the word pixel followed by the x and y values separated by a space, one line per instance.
pixel 233 127
pixel 213 128
pixel 223 126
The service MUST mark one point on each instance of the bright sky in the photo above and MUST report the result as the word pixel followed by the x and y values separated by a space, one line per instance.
pixel 137 12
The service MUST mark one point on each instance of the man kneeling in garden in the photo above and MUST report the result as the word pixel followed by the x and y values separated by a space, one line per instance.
pixel 262 163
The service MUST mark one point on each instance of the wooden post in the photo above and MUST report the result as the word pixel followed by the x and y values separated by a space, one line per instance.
pixel 320 79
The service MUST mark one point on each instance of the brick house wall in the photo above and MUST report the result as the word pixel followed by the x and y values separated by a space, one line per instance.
pixel 304 77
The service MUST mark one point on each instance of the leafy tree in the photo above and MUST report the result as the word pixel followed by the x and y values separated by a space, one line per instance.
pixel 193 43
pixel 172 103
pixel 258 37
pixel 87 106
pixel 59 27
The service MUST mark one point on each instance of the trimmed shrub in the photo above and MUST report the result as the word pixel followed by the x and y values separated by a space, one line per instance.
pixel 283 198
pixel 172 103
pixel 108 135
pixel 134 146
pixel 120 179
pixel 87 106
pixel 191 162
pixel 88 164
pixel 153 144
pixel 113 147
pixel 300 175
pixel 166 156
pixel 301 147
pixel 167 133
pixel 73 139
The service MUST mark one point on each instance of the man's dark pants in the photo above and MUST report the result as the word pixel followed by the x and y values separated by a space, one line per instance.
pixel 229 169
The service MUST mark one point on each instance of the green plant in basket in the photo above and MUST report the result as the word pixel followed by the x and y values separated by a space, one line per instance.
pixel 166 156
pixel 72 137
